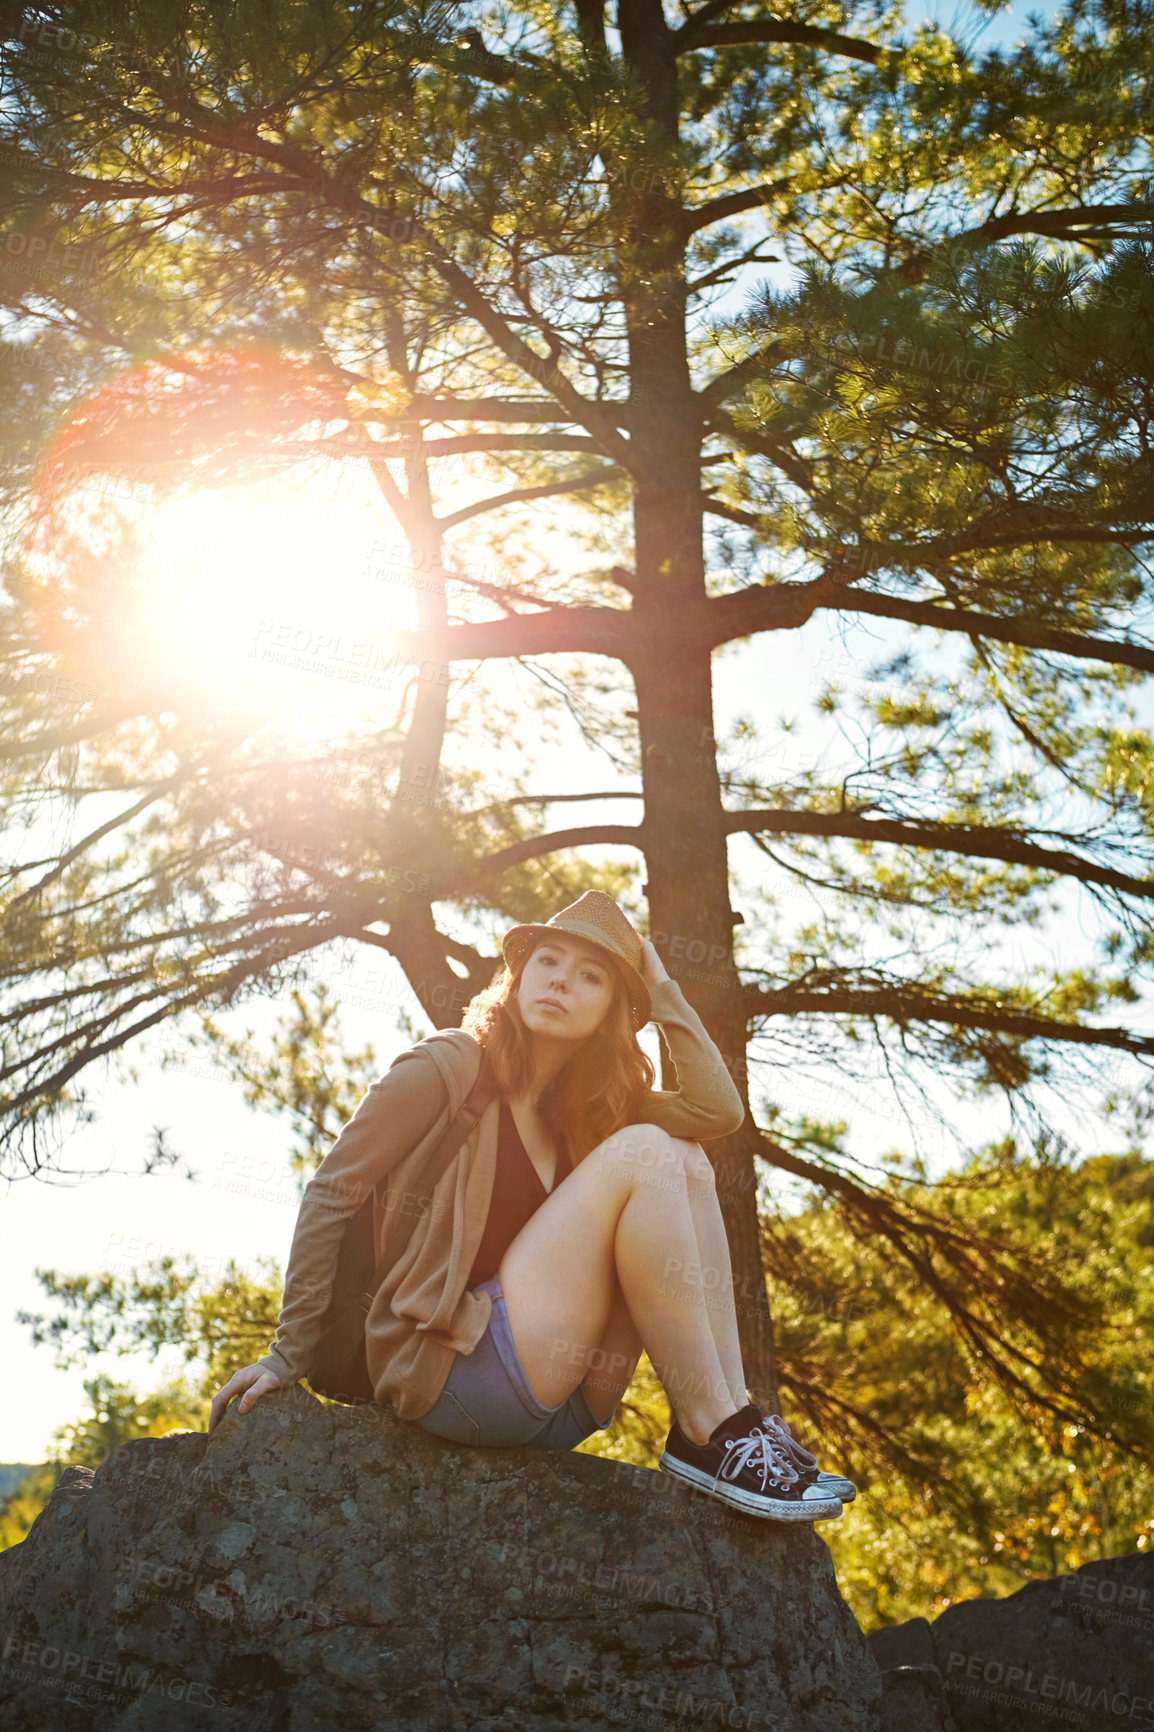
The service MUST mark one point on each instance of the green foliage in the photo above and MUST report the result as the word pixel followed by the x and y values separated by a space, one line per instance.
pixel 309 1075
pixel 118 1414
pixel 25 1503
pixel 965 1489
pixel 165 1303
pixel 971 1488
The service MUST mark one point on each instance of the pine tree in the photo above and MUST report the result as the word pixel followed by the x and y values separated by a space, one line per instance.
pixel 320 233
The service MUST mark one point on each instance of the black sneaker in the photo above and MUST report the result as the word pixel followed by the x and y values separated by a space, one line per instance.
pixel 837 1484
pixel 744 1466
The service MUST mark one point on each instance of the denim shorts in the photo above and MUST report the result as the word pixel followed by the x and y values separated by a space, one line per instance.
pixel 487 1399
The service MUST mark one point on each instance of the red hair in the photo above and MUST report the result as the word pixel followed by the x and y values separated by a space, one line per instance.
pixel 595 1092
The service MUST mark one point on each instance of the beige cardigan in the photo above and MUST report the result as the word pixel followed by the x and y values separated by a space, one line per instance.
pixel 424 1314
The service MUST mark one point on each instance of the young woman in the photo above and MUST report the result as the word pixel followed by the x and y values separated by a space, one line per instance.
pixel 578 1224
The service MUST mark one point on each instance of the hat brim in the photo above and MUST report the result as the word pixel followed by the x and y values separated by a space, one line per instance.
pixel 520 940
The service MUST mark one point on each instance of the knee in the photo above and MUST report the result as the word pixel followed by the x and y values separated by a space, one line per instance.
pixel 698 1166
pixel 646 1150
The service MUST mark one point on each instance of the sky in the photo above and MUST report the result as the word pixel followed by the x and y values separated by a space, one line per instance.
pixel 258 574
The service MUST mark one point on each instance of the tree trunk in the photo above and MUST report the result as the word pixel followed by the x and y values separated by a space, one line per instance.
pixel 413 936
pixel 685 845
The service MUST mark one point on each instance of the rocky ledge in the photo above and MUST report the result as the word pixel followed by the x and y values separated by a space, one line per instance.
pixel 1075 1652
pixel 312 1567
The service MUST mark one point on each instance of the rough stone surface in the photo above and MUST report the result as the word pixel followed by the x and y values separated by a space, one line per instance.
pixel 914 1700
pixel 311 1568
pixel 1074 1652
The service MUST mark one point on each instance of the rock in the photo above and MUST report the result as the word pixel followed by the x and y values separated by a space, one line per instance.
pixel 913 1692
pixel 914 1700
pixel 1076 1651
pixel 309 1568
pixel 904 1645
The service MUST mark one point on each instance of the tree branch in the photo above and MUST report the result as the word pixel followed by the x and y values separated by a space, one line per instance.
pixel 975 1264
pixel 61 865
pixel 1032 635
pixel 798 469
pixel 733 203
pixel 521 495
pixel 533 848
pixel 542 369
pixel 769 607
pixel 591 25
pixel 51 740
pixel 695 35
pixel 600 423
pixel 785 606
pixel 497 442
pixel 706 15
pixel 608 631
pixel 429 408
pixel 554 799
pixel 732 513
pixel 1097 221
pixel 726 384
pixel 966 839
pixel 423 953
pixel 908 1003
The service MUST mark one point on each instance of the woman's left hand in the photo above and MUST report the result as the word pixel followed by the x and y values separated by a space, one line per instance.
pixel 652 970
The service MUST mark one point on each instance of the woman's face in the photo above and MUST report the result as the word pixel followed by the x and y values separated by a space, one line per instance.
pixel 566 988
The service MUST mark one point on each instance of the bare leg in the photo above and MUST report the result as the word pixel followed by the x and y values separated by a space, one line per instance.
pixel 714 1272
pixel 612 1362
pixel 615 1223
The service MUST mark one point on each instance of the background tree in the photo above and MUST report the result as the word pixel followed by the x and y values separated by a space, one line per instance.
pixel 116 1414
pixel 516 228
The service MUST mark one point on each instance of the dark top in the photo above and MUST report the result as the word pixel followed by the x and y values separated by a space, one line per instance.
pixel 517 1194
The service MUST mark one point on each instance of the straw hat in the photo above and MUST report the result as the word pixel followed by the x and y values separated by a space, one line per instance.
pixel 596 918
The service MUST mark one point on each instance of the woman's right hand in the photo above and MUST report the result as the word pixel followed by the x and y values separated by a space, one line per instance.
pixel 652 970
pixel 250 1383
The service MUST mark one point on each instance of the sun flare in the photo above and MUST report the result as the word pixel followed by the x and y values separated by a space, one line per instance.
pixel 277 599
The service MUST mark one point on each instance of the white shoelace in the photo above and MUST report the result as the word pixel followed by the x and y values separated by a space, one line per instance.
pixel 786 1441
pixel 760 1451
